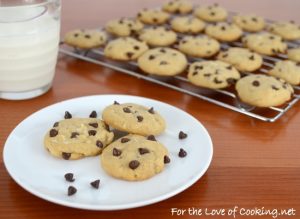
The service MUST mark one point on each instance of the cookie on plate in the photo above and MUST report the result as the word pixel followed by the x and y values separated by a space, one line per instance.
pixel 124 26
pixel 294 54
pixel 187 24
pixel 163 61
pixel 77 137
pixel 212 74
pixel 250 23
pixel 158 36
pixel 241 58
pixel 212 13
pixel 265 43
pixel 224 31
pixel 85 39
pixel 125 48
pixel 134 118
pixel 287 30
pixel 263 91
pixel 178 6
pixel 134 158
pixel 199 46
pixel 286 70
pixel 153 16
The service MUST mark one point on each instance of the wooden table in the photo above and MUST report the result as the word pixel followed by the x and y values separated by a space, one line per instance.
pixel 255 164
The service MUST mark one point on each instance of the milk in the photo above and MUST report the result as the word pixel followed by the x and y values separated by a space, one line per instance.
pixel 29 38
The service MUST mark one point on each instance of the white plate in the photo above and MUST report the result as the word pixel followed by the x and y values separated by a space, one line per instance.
pixel 34 169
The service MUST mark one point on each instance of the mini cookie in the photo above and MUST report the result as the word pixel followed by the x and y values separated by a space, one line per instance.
pixel 287 70
pixel 77 137
pixel 250 23
pixel 134 158
pixel 125 48
pixel 134 118
pixel 265 43
pixel 294 54
pixel 287 30
pixel 263 91
pixel 200 46
pixel 163 61
pixel 212 74
pixel 187 24
pixel 178 6
pixel 224 31
pixel 85 39
pixel 241 58
pixel 123 27
pixel 153 16
pixel 158 36
pixel 211 13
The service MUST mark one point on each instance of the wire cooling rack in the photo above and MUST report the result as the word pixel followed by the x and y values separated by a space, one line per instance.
pixel 226 98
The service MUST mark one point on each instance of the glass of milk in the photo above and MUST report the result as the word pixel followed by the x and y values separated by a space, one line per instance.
pixel 29 40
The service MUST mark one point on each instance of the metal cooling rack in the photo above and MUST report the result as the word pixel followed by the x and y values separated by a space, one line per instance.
pixel 226 98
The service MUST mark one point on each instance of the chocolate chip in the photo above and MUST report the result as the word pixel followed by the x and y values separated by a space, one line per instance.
pixel 151 110
pixel 162 50
pixel 129 25
pixel 71 190
pixel 217 81
pixel 154 20
pixel 95 184
pixel 251 57
pixel 139 14
pixel 143 151
pixel 182 153
pixel 74 134
pixel 244 21
pixel 271 37
pixel 116 152
pixel 129 54
pixel 183 41
pixel 207 75
pixel 68 115
pixel 223 28
pixel 167 159
pixel 93 114
pixel 140 118
pixel 151 138
pixel 53 133
pixel 65 155
pixel 95 125
pixel 126 110
pixel 163 63
pixel 212 13
pixel 87 36
pixel 116 103
pixel 99 144
pixel 254 19
pixel 151 57
pixel 231 80
pixel 224 55
pixel 200 67
pixel 55 124
pixel 182 135
pixel 274 87
pixel 255 83
pixel 195 73
pixel 229 67
pixel 121 21
pixel 106 127
pixel 136 47
pixel 274 50
pixel 134 164
pixel 69 177
pixel 124 140
pixel 92 132
pixel 76 35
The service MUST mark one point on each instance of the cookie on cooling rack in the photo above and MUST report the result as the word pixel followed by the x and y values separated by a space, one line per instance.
pixel 224 31
pixel 287 30
pixel 153 16
pixel 294 54
pixel 263 91
pixel 287 70
pixel 123 26
pixel 250 23
pixel 85 39
pixel 158 36
pixel 187 24
pixel 178 6
pixel 211 13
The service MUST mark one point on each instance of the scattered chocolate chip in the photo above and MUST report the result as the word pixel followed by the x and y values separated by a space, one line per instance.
pixel 87 36
pixel 94 124
pixel 136 47
pixel 162 50
pixel 151 138
pixel 92 132
pixel 255 83
pixel 231 80
pixel 71 190
pixel 151 57
pixel 151 110
pixel 143 151
pixel 93 114
pixel 134 164
pixel 69 177
pixel 95 184
pixel 55 124
pixel 251 57
pixel 195 73
pixel 274 87
pixel 116 152
pixel 182 135
pixel 207 75
pixel 68 115
pixel 74 134
pixel 53 133
pixel 126 110
pixel 182 153
pixel 129 54
pixel 163 63
pixel 99 144
pixel 65 155
pixel 167 159
pixel 140 118
pixel 217 81
pixel 124 140
pixel 116 103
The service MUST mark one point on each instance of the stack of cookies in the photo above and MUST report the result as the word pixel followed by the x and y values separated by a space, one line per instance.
pixel 166 42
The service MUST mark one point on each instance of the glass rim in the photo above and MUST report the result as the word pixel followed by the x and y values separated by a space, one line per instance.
pixel 24 3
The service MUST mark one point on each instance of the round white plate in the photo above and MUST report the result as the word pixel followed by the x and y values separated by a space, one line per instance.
pixel 34 169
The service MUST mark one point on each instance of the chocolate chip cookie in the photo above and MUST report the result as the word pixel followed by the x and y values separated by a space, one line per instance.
pixel 153 16
pixel 178 6
pixel 294 54
pixel 224 31
pixel 287 30
pixel 211 13
pixel 124 26
pixel 287 70
pixel 187 24
pixel 158 36
pixel 250 23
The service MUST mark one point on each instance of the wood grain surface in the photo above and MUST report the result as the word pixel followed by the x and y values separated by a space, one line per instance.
pixel 255 164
